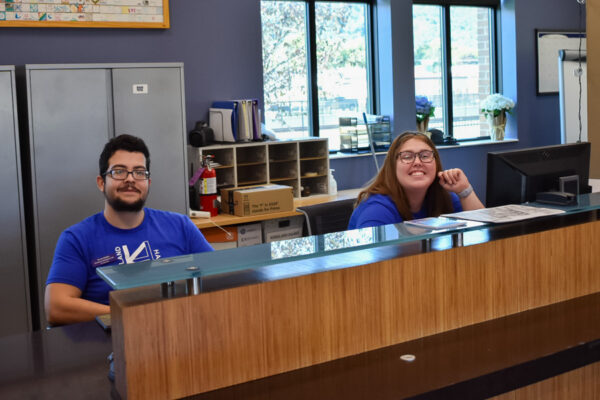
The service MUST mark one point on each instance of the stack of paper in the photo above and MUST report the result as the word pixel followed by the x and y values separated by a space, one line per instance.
pixel 508 213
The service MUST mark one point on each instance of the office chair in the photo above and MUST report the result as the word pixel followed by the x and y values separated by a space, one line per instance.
pixel 327 217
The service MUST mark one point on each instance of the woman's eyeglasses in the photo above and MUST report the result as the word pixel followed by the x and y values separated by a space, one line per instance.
pixel 408 157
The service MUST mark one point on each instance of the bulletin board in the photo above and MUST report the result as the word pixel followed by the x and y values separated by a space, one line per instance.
pixel 548 43
pixel 85 13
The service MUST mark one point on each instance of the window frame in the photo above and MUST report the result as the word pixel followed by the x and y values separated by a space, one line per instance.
pixel 311 47
pixel 494 6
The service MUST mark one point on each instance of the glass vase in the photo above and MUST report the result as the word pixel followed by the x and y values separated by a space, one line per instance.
pixel 423 125
pixel 497 126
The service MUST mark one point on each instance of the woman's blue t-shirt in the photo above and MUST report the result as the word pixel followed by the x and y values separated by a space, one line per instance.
pixel 380 209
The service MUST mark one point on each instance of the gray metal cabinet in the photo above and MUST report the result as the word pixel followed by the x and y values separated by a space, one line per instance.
pixel 14 283
pixel 73 111
pixel 157 116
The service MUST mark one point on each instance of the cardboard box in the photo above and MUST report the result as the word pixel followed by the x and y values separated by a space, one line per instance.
pixel 258 200
pixel 283 228
pixel 249 234
pixel 227 206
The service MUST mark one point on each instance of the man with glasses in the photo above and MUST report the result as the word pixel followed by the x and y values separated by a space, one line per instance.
pixel 125 232
pixel 412 184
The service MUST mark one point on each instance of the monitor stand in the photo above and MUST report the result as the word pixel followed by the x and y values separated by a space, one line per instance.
pixel 556 198
pixel 569 184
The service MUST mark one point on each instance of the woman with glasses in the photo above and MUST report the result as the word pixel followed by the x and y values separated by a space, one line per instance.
pixel 411 184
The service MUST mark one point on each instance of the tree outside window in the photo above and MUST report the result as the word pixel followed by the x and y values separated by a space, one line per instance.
pixel 455 71
pixel 341 39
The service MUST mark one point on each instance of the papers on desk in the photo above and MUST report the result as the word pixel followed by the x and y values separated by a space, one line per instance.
pixel 508 213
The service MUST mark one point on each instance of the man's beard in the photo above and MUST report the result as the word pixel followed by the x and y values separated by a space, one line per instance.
pixel 119 205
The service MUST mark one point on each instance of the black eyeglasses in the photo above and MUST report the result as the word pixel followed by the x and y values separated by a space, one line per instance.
pixel 408 157
pixel 120 174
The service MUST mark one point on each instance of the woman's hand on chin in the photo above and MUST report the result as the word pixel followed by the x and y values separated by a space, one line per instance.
pixel 453 180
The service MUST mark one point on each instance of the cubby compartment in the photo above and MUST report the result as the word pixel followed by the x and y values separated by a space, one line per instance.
pixel 285 170
pixel 225 177
pixel 290 182
pixel 314 185
pixel 251 155
pixel 222 158
pixel 251 174
pixel 283 152
pixel 313 149
pixel 313 167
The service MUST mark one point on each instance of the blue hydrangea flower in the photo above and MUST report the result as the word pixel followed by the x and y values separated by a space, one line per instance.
pixel 425 108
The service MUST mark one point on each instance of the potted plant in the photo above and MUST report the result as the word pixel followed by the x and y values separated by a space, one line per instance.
pixel 425 110
pixel 494 108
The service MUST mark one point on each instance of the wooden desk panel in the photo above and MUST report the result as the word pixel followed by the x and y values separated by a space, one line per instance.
pixel 200 343
pixel 475 362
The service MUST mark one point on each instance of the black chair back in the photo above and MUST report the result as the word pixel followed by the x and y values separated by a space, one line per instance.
pixel 327 217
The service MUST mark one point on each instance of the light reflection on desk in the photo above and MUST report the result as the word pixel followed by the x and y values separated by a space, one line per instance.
pixel 354 239
pixel 326 242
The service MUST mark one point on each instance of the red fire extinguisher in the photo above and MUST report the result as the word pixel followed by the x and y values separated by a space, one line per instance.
pixel 208 187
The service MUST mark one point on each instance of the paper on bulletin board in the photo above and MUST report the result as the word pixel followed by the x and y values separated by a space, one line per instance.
pixel 85 13
pixel 548 45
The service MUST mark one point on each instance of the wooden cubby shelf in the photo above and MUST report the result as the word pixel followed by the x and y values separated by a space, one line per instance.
pixel 282 162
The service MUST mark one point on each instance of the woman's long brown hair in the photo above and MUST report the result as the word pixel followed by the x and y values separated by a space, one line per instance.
pixel 437 199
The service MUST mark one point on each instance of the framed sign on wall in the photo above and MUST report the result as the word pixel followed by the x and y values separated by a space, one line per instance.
pixel 85 13
pixel 548 44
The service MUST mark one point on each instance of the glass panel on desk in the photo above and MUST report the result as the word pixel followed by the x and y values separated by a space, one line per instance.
pixel 268 255
pixel 590 201
pixel 277 260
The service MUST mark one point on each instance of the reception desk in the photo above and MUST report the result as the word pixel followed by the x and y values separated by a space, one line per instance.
pixel 547 353
pixel 484 310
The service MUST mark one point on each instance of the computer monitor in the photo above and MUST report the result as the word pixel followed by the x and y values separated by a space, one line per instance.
pixel 515 177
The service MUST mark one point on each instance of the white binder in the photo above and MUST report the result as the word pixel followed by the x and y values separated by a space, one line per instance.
pixel 220 120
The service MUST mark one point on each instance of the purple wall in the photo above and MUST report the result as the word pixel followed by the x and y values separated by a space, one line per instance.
pixel 539 116
pixel 219 42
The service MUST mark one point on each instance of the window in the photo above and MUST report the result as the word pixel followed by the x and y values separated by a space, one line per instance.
pixel 455 62
pixel 316 66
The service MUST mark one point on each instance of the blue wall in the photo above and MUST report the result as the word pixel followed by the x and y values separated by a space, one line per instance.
pixel 219 42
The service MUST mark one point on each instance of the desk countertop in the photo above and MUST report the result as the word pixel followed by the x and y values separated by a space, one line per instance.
pixel 68 362
pixel 226 219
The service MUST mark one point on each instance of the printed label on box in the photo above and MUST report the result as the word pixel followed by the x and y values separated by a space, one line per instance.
pixel 249 235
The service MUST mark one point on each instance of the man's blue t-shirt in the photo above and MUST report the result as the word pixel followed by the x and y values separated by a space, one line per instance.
pixel 94 243
pixel 380 209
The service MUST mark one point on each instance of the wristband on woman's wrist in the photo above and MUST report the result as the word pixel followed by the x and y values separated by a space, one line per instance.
pixel 465 192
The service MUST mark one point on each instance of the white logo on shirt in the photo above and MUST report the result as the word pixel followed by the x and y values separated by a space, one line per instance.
pixel 144 252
